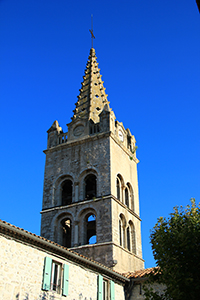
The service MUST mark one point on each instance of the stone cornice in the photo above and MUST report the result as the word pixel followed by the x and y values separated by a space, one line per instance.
pixel 83 202
pixel 78 141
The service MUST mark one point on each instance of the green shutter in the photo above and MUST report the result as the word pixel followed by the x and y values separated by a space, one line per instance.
pixel 100 287
pixel 47 274
pixel 112 290
pixel 65 280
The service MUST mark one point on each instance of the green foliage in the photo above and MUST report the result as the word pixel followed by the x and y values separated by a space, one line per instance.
pixel 176 249
pixel 150 294
pixel 134 149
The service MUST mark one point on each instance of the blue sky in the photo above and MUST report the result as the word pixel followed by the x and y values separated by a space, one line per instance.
pixel 149 56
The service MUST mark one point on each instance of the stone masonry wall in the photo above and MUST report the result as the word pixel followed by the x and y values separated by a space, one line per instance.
pixel 123 162
pixel 132 259
pixel 102 209
pixel 22 272
pixel 75 159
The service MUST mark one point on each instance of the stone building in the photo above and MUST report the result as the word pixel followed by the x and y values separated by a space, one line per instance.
pixel 33 268
pixel 90 199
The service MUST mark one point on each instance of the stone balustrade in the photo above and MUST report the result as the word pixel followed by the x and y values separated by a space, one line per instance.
pixel 62 138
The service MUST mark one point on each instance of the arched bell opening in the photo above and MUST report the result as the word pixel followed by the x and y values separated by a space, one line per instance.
pixel 90 186
pixel 67 192
pixel 91 237
pixel 66 228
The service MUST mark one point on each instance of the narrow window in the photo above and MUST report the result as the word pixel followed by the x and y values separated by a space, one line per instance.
pixel 56 277
pixel 91 229
pixel 132 237
pixel 67 192
pixel 126 197
pixel 120 232
pixel 130 196
pixel 124 241
pixel 90 187
pixel 118 189
pixel 66 232
pixel 128 239
pixel 105 289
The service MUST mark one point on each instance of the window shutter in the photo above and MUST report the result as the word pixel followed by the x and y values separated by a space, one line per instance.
pixel 100 287
pixel 65 280
pixel 112 290
pixel 47 274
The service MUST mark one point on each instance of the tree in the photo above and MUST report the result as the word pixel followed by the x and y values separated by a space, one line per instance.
pixel 176 249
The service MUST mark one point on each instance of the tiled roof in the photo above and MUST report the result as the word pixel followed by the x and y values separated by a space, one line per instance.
pixel 141 273
pixel 28 237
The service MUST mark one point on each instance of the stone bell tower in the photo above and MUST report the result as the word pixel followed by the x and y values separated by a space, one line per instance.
pixel 90 199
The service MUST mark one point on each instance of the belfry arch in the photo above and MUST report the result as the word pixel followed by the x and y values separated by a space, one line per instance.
pixel 90 186
pixel 66 192
pixel 91 235
pixel 66 232
pixel 62 229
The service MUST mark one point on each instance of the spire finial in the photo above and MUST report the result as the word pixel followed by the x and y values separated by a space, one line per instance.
pixel 91 30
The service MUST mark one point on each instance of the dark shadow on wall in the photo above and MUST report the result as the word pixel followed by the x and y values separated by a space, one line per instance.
pixel 43 296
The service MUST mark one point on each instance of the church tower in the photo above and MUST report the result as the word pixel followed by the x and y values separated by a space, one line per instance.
pixel 90 197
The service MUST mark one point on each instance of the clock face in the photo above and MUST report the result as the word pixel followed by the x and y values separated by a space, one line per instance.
pixel 78 130
pixel 121 136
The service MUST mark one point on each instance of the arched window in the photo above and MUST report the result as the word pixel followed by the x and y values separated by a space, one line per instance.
pixel 66 232
pixel 131 196
pixel 126 197
pixel 128 238
pixel 90 186
pixel 122 231
pixel 132 237
pixel 118 188
pixel 91 229
pixel 67 192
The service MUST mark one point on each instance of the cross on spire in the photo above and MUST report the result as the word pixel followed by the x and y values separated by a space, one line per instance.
pixel 91 30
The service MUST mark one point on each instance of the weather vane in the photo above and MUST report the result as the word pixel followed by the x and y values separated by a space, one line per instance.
pixel 91 30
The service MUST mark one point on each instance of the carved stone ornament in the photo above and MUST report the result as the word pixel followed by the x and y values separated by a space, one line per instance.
pixel 78 130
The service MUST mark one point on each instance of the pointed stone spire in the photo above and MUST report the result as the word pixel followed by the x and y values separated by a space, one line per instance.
pixel 92 97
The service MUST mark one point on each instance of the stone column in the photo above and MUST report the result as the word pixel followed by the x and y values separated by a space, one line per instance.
pixel 76 192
